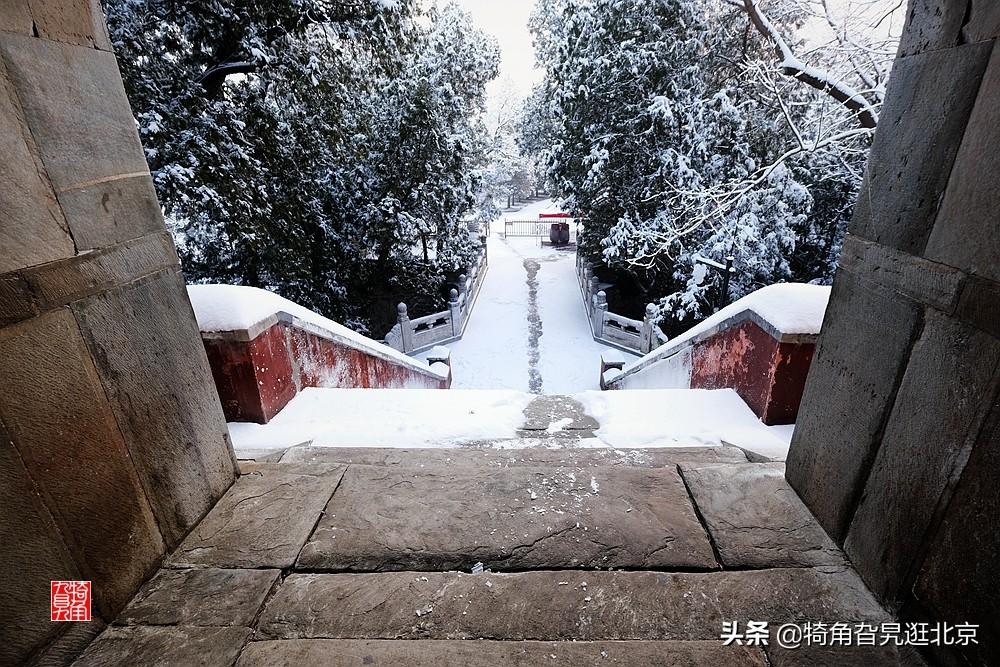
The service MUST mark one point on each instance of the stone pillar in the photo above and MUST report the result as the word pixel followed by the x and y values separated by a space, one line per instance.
pixel 112 440
pixel 896 447
pixel 647 337
pixel 455 313
pixel 405 328
pixel 600 310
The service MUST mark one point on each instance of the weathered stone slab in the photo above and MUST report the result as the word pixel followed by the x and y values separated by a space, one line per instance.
pixel 958 577
pixel 76 107
pixel 507 518
pixel 262 522
pixel 931 283
pixel 110 212
pixel 79 22
pixel 32 227
pixel 979 305
pixel 584 606
pixel 557 414
pixel 983 22
pixel 165 647
pixel 208 596
pixel 346 652
pixel 928 102
pixel 755 518
pixel 58 283
pixel 843 656
pixel 931 25
pixel 951 369
pixel 663 457
pixel 67 647
pixel 969 206
pixel 836 435
pixel 41 556
pixel 174 410
pixel 56 413
pixel 16 302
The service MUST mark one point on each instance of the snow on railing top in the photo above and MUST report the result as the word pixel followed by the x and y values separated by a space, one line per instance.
pixel 222 309
pixel 785 310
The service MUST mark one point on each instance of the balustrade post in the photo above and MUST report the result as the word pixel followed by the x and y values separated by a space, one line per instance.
pixel 456 313
pixel 600 311
pixel 647 338
pixel 405 328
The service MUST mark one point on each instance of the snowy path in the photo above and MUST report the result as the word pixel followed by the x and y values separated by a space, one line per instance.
pixel 529 330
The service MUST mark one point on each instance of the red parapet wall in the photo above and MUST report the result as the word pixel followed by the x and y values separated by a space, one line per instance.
pixel 768 374
pixel 257 378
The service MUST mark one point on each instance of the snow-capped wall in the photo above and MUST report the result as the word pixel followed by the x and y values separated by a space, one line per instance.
pixel 263 349
pixel 760 345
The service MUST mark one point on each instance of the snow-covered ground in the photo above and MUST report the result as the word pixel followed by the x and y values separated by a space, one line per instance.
pixel 440 418
pixel 385 418
pixel 682 418
pixel 498 350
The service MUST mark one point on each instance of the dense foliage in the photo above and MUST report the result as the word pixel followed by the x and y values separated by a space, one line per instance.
pixel 323 149
pixel 667 126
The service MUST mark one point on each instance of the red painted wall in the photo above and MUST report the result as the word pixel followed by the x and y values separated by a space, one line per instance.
pixel 768 375
pixel 256 379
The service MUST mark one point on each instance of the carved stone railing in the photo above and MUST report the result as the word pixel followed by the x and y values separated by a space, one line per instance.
pixel 638 336
pixel 422 333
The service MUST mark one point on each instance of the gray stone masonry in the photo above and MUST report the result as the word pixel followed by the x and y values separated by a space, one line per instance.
pixel 592 557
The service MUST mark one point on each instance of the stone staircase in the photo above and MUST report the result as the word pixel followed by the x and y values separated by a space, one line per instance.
pixel 369 556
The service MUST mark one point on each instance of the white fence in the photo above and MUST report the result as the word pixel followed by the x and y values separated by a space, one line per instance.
pixel 639 336
pixel 422 333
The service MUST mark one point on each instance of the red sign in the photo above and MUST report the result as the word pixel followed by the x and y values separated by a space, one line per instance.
pixel 69 601
pixel 553 215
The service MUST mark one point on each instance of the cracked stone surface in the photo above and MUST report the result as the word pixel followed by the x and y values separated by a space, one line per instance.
pixel 756 519
pixel 491 458
pixel 209 596
pixel 261 522
pixel 844 656
pixel 558 415
pixel 517 517
pixel 361 557
pixel 164 647
pixel 346 652
pixel 577 605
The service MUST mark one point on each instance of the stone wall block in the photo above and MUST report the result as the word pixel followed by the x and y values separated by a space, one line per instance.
pixel 938 411
pixel 76 108
pixel 979 305
pixel 965 233
pixel 112 211
pixel 983 22
pixel 25 572
pixel 151 360
pixel 59 283
pixel 56 413
pixel 932 25
pixel 848 395
pixel 27 201
pixel 928 103
pixel 955 585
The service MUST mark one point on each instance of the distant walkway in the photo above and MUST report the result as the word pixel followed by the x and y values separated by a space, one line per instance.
pixel 528 331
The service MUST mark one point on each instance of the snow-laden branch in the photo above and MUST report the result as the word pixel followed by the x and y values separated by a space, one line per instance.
pixel 792 66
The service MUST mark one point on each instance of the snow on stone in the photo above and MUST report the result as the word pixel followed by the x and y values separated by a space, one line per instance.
pixel 793 308
pixel 386 418
pixel 682 418
pixel 220 308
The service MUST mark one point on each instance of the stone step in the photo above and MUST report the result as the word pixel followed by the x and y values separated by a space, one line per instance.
pixel 512 518
pixel 506 653
pixel 566 605
pixel 513 454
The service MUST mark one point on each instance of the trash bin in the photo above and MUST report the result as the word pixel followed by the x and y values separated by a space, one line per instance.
pixel 559 233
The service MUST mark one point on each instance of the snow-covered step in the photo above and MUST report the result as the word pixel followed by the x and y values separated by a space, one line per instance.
pixel 489 418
